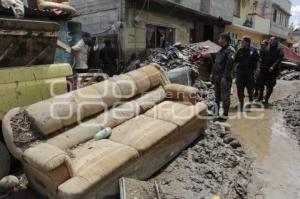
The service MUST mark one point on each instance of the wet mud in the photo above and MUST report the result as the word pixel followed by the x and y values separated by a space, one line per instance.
pixel 290 108
pixel 216 165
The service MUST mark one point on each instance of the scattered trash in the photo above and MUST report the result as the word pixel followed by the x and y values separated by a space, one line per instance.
pixel 182 76
pixel 17 7
pixel 87 79
pixel 289 75
pixel 195 56
pixel 103 134
pixel 9 182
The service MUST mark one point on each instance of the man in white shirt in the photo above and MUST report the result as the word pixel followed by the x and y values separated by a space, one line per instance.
pixel 81 51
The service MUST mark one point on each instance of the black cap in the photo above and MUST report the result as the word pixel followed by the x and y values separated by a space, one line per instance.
pixel 247 40
pixel 226 36
pixel 86 34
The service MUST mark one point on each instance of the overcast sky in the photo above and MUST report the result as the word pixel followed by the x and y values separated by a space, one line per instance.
pixel 296 12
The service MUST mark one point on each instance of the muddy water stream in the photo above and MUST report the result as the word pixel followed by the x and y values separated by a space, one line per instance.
pixel 277 166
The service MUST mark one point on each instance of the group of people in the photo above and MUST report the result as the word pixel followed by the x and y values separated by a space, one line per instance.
pixel 255 71
pixel 108 56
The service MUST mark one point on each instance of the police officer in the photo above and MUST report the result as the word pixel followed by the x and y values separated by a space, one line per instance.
pixel 222 74
pixel 270 60
pixel 263 47
pixel 246 58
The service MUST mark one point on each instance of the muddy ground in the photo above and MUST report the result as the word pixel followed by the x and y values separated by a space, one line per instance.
pixel 216 165
pixel 290 107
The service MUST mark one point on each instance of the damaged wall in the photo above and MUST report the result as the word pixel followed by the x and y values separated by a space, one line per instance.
pixel 97 16
pixel 134 35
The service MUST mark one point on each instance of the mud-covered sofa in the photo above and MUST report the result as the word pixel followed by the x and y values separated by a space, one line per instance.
pixel 151 120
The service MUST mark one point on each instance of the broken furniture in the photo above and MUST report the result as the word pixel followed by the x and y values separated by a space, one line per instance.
pixel 151 121
pixel 87 79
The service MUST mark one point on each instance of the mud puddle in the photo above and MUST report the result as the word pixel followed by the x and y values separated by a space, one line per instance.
pixel 276 150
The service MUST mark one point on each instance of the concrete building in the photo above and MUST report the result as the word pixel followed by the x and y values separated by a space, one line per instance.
pixel 140 24
pixel 260 19
pixel 278 11
pixel 249 20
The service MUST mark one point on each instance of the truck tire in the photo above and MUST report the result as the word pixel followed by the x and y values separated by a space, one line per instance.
pixel 5 161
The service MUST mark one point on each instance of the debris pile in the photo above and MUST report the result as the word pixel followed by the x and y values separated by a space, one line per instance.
pixel 206 93
pixel 289 75
pixel 216 165
pixel 194 56
pixel 290 107
pixel 24 135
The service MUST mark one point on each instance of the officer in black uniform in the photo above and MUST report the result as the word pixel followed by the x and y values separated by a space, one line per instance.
pixel 270 60
pixel 222 74
pixel 247 59
pixel 263 47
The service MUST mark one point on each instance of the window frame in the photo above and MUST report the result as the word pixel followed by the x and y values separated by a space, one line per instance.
pixel 275 14
pixel 156 35
pixel 237 8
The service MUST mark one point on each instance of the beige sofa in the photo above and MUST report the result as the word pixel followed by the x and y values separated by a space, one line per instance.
pixel 152 122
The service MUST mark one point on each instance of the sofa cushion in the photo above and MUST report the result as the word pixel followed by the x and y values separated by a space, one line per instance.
pixel 127 86
pixel 142 132
pixel 118 115
pixel 43 120
pixel 46 157
pixel 52 115
pixel 96 163
pixel 182 93
pixel 100 157
pixel 76 135
pixel 150 99
pixel 176 112
pixel 141 79
pixel 154 73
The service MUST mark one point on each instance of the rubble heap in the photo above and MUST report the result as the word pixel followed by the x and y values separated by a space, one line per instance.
pixel 177 56
pixel 216 165
pixel 206 93
pixel 290 107
pixel 289 75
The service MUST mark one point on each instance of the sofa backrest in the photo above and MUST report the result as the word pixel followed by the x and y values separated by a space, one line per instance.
pixel 59 112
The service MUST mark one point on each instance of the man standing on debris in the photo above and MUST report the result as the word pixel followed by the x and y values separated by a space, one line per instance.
pixel 222 74
pixel 270 60
pixel 109 58
pixel 81 51
pixel 247 59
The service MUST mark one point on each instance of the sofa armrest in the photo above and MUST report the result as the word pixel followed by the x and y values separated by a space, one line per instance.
pixel 181 93
pixel 47 158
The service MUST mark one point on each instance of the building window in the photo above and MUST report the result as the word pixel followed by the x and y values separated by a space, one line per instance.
pixel 286 21
pixel 275 15
pixel 237 8
pixel 280 18
pixel 159 37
